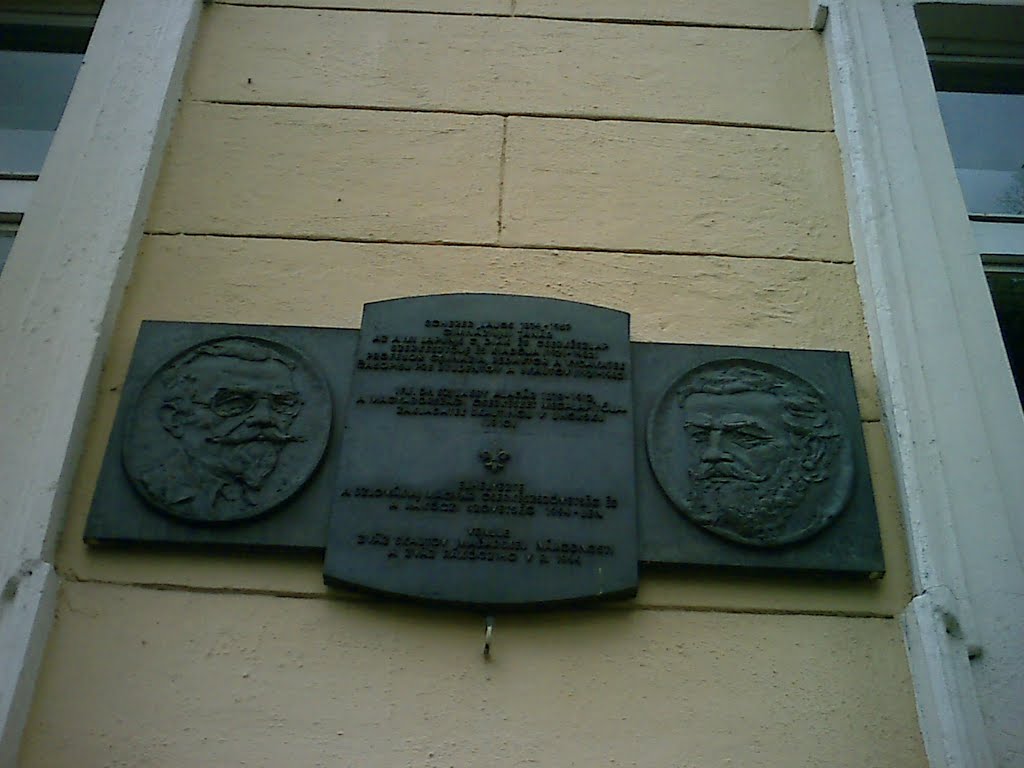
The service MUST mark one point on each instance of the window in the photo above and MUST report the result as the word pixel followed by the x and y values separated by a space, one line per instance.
pixel 980 87
pixel 7 232
pixel 40 55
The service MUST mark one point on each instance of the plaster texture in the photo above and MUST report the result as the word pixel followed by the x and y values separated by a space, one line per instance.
pixel 366 174
pixel 696 189
pixel 330 173
pixel 177 678
pixel 781 14
pixel 785 14
pixel 512 66
pixel 682 299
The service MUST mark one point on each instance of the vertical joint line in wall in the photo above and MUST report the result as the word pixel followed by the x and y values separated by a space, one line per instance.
pixel 512 7
pixel 501 174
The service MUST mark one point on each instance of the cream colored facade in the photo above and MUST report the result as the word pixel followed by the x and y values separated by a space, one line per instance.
pixel 679 164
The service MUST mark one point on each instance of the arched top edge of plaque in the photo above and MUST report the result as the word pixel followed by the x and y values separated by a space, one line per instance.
pixel 503 298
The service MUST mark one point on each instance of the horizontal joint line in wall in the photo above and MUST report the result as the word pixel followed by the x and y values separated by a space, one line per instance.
pixel 172 587
pixel 312 6
pixel 838 613
pixel 357 598
pixel 531 115
pixel 470 244
pixel 659 23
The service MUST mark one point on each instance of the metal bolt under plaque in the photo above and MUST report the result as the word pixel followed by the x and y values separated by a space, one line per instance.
pixel 488 453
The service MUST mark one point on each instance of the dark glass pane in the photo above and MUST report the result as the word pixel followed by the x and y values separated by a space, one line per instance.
pixel 41 36
pixel 985 77
pixel 986 136
pixel 34 88
pixel 6 241
pixel 1008 296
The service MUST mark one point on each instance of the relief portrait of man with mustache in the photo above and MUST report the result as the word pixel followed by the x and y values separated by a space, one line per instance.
pixel 229 408
pixel 765 463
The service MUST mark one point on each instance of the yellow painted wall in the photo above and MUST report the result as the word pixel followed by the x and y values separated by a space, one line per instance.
pixel 681 167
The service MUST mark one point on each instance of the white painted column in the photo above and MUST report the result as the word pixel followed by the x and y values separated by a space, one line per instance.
pixel 59 296
pixel 949 403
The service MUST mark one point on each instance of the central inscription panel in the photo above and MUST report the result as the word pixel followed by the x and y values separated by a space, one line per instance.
pixel 488 453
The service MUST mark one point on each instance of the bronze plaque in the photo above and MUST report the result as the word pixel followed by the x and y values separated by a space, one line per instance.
pixel 488 453
pixel 500 451
pixel 221 437
pixel 227 430
pixel 752 458
pixel 750 452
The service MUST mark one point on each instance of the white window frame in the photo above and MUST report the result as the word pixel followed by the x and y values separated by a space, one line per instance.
pixel 16 194
pixel 995 238
pixel 950 406
pixel 60 293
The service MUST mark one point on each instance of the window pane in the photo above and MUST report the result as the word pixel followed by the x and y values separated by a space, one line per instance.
pixel 60 28
pixel 34 87
pixel 1008 296
pixel 986 136
pixel 981 100
pixel 6 241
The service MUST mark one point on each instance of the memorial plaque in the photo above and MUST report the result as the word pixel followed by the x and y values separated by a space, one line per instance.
pixel 500 451
pixel 220 437
pixel 752 458
pixel 488 453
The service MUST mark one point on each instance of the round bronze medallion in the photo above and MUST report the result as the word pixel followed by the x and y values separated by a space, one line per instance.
pixel 750 452
pixel 227 430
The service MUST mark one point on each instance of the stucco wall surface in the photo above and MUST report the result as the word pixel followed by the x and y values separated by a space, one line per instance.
pixel 512 66
pixel 681 167
pixel 188 679
pixel 615 185
pixel 768 14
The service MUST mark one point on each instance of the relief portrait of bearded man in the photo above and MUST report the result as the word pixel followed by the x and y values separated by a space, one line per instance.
pixel 758 444
pixel 228 410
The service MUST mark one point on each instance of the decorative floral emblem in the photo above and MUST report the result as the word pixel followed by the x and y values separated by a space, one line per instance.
pixel 495 461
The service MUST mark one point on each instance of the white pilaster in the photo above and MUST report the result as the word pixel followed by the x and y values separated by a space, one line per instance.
pixel 59 295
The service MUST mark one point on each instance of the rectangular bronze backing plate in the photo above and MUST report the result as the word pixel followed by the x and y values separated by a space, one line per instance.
pixel 488 453
pixel 121 515
pixel 850 544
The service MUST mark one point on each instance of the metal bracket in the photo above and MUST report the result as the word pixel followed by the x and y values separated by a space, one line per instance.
pixel 488 635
